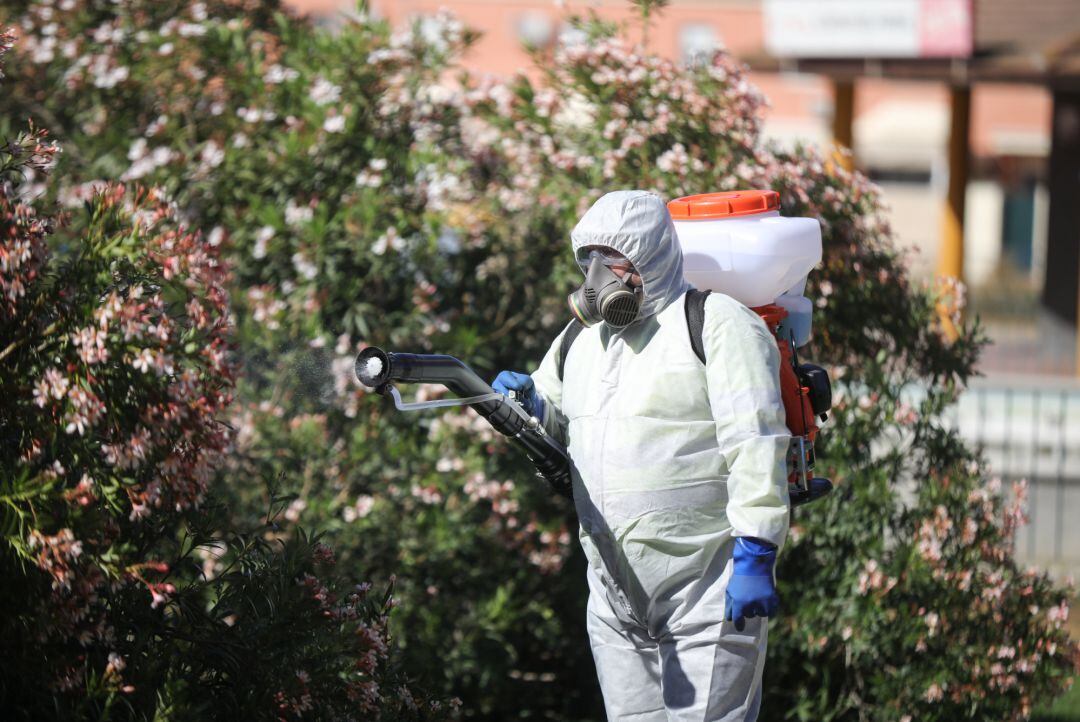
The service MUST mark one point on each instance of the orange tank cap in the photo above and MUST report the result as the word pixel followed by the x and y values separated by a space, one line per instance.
pixel 723 205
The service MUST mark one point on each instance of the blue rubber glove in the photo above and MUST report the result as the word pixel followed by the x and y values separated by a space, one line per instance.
pixel 751 592
pixel 524 389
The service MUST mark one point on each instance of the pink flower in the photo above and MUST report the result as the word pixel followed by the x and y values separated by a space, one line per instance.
pixel 144 360
pixel 91 344
pixel 53 384
pixel 84 411
pixel 1058 615
pixel 871 577
pixel 116 665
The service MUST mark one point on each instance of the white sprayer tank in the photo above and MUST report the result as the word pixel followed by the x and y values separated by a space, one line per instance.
pixel 738 244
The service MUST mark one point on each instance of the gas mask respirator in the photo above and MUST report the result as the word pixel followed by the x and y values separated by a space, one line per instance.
pixel 604 296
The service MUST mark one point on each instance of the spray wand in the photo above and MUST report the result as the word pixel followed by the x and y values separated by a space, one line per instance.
pixel 380 369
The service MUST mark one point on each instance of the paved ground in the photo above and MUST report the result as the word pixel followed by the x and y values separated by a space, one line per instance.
pixel 1035 344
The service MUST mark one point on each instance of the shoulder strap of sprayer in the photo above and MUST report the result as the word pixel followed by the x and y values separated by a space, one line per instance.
pixel 695 321
pixel 572 332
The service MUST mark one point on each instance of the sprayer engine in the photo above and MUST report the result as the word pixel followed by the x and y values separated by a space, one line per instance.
pixel 807 395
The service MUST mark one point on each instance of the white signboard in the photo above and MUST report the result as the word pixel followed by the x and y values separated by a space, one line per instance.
pixel 868 28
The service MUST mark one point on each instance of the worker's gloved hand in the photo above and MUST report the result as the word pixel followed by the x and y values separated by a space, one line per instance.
pixel 524 391
pixel 751 591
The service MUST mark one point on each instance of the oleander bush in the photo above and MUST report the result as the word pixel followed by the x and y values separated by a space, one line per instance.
pixel 364 192
pixel 129 591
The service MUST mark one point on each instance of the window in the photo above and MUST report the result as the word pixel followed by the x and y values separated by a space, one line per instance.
pixel 697 41
pixel 535 28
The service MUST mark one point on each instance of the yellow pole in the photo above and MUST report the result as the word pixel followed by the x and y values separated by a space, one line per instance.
pixel 951 253
pixel 843 118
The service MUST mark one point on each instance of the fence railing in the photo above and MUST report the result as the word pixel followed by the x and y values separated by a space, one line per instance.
pixel 1029 428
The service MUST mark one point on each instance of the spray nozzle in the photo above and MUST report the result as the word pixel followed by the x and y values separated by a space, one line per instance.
pixel 372 367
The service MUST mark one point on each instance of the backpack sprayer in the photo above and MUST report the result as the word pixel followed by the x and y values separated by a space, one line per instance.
pixel 737 243
pixel 734 243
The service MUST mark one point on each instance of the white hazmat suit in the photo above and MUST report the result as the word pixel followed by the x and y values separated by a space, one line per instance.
pixel 672 461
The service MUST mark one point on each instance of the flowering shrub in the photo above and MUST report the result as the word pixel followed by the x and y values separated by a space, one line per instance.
pixel 115 373
pixel 321 178
pixel 111 395
pixel 363 197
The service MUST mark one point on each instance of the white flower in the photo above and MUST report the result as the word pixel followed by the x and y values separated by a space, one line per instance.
pixel 105 75
pixel 304 267
pixel 390 239
pixel 364 179
pixel 363 506
pixel 165 49
pixel 276 74
pixel 292 513
pixel 261 238
pixel 137 149
pixel 106 33
pixel 43 50
pixel 334 124
pixel 578 113
pixel 190 30
pixel 371 177
pixel 673 160
pixel 324 92
pixel 254 115
pixel 147 162
pixel 211 156
pixel 155 127
pixel 297 214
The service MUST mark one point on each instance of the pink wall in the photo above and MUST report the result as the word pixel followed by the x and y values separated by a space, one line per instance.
pixel 998 111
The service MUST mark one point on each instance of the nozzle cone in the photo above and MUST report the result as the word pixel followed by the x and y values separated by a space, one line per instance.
pixel 372 367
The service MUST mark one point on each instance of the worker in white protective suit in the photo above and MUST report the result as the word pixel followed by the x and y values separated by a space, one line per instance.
pixel 680 475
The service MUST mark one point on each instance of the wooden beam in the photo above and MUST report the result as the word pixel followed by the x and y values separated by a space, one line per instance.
pixel 843 120
pixel 1061 282
pixel 951 252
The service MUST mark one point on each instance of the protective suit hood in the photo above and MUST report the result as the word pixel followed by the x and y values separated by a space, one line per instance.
pixel 637 225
